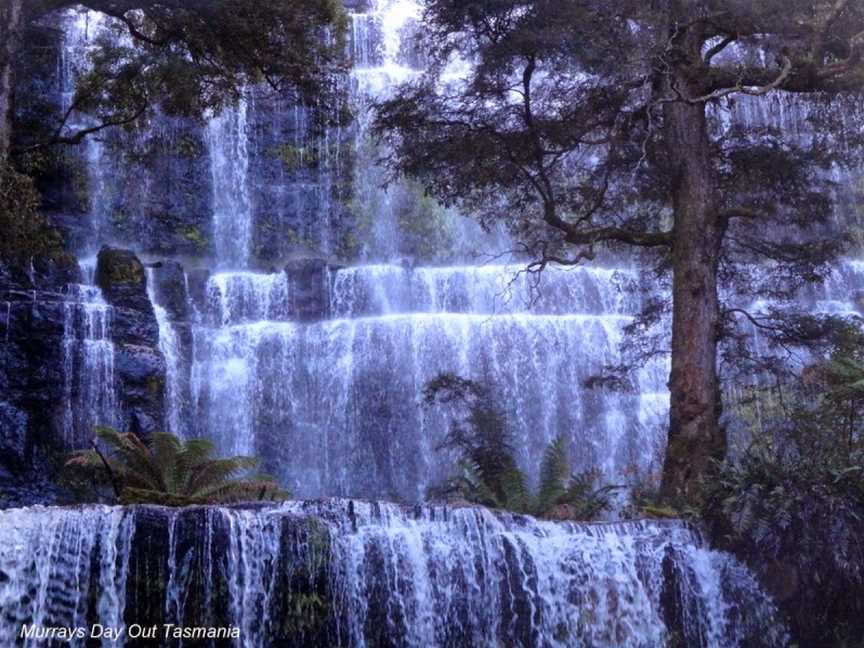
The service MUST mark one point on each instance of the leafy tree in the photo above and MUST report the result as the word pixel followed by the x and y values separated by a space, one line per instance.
pixel 487 472
pixel 182 56
pixel 591 126
pixel 166 471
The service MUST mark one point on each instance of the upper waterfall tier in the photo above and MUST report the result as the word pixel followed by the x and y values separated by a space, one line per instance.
pixel 359 574
pixel 389 289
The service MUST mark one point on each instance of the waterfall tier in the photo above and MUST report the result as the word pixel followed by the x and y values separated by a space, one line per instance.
pixel 90 390
pixel 365 574
pixel 334 406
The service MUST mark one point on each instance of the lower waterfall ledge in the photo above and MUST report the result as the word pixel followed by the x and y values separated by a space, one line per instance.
pixel 353 573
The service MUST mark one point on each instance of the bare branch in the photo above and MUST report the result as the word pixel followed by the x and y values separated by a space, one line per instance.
pixel 741 87
pixel 719 47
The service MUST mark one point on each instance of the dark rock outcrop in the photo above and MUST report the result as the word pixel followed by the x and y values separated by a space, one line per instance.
pixel 141 373
pixel 120 275
pixel 169 278
pixel 308 281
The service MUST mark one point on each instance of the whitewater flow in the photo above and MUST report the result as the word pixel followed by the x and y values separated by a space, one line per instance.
pixel 333 401
pixel 89 389
pixel 365 574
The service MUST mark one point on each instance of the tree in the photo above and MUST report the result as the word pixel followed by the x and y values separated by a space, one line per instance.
pixel 166 471
pixel 591 125
pixel 182 56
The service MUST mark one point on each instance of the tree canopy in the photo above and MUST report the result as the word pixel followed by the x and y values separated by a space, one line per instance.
pixel 183 57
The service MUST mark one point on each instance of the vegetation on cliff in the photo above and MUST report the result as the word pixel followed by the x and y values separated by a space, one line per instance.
pixel 791 502
pixel 25 232
pixel 165 471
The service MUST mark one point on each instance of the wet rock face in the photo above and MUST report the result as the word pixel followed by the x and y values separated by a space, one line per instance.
pixel 58 352
pixel 31 380
pixel 141 373
pixel 120 275
pixel 170 289
pixel 293 606
pixel 139 365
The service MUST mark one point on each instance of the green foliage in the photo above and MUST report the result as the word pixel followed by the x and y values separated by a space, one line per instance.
pixel 187 58
pixel 791 501
pixel 486 470
pixel 195 236
pixel 296 157
pixel 167 471
pixel 25 232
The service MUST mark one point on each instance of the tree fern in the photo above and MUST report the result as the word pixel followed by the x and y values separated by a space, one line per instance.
pixel 170 472
pixel 487 470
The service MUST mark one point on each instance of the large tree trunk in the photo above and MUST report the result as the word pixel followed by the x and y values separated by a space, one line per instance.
pixel 11 24
pixel 695 434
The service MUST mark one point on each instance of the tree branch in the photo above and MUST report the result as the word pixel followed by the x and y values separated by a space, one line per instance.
pixel 742 87
pixel 78 136
pixel 719 47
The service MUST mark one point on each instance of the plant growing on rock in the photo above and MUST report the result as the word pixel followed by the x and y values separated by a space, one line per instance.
pixel 166 471
pixel 791 503
pixel 486 470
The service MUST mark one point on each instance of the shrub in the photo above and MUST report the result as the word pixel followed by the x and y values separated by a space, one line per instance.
pixel 792 505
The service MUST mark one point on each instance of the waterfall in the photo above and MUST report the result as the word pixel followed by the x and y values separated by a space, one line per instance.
pixel 359 574
pixel 334 406
pixel 228 140
pixel 63 568
pixel 81 28
pixel 89 389
pixel 322 373
pixel 169 345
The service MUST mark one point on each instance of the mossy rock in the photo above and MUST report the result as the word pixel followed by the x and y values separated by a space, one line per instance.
pixel 120 275
pixel 195 236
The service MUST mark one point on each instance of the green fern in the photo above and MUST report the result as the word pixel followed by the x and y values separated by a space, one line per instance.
pixel 169 472
pixel 553 476
pixel 486 469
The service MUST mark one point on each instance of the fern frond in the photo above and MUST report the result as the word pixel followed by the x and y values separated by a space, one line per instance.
pixel 553 476
pixel 215 472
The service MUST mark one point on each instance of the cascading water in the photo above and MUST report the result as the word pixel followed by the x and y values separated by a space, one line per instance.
pixel 81 28
pixel 169 345
pixel 90 392
pixel 228 139
pixel 356 575
pixel 334 404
